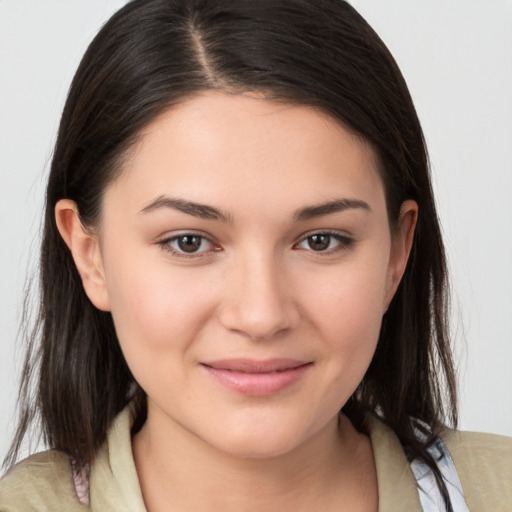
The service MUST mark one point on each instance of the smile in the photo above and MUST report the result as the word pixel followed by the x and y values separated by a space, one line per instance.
pixel 257 378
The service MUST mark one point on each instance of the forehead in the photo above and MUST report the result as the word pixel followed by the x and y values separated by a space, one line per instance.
pixel 219 147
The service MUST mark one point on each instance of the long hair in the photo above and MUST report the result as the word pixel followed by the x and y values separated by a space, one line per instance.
pixel 153 54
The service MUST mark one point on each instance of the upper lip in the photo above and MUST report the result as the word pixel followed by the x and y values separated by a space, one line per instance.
pixel 244 365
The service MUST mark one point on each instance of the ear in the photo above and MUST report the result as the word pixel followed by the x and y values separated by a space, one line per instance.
pixel 85 250
pixel 402 239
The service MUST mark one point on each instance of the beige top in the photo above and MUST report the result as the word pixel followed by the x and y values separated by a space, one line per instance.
pixel 44 481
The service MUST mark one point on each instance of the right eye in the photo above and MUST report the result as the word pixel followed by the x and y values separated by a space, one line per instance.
pixel 187 245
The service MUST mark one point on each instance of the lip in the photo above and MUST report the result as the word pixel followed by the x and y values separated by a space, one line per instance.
pixel 257 377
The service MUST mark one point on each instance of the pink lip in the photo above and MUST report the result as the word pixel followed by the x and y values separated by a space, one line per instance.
pixel 257 378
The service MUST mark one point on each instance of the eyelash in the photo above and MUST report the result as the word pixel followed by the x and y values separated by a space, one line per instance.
pixel 344 244
pixel 165 244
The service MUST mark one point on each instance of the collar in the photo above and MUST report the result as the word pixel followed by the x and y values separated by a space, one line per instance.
pixel 114 484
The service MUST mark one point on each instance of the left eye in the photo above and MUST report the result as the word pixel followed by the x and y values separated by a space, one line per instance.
pixel 188 243
pixel 324 242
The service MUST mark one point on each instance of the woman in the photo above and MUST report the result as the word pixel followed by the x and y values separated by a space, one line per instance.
pixel 241 242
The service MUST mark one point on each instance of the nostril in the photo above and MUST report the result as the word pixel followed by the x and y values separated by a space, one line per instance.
pixel 259 321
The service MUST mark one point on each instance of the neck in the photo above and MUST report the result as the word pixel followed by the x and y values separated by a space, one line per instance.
pixel 178 471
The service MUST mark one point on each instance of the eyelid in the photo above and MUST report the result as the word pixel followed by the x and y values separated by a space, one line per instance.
pixel 345 241
pixel 165 241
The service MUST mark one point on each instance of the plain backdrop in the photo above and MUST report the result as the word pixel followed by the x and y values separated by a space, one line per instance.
pixel 456 56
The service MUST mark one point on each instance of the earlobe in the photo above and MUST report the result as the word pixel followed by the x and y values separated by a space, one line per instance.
pixel 401 247
pixel 85 250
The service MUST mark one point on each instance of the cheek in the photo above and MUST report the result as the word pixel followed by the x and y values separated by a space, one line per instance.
pixel 352 294
pixel 157 310
pixel 347 310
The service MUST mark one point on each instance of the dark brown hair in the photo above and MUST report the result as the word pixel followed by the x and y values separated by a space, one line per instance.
pixel 153 54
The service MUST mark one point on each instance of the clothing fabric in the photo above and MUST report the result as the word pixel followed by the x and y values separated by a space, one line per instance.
pixel 430 494
pixel 45 482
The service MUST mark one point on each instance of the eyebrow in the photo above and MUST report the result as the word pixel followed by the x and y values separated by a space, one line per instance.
pixel 202 211
pixel 338 205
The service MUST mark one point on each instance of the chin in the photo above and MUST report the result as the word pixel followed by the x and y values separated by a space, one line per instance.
pixel 260 439
pixel 257 447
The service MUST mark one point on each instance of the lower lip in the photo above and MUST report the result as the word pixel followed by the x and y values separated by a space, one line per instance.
pixel 257 384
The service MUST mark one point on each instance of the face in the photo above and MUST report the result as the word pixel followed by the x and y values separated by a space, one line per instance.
pixel 246 257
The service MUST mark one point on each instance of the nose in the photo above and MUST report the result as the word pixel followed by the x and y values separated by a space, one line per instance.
pixel 258 299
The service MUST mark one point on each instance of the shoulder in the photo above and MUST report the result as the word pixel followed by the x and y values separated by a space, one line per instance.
pixel 484 465
pixel 41 483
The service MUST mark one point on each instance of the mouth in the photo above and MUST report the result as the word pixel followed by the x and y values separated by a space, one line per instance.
pixel 257 378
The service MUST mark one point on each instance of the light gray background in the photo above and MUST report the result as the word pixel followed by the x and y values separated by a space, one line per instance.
pixel 457 58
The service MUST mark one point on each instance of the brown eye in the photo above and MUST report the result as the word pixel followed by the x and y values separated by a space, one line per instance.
pixel 325 242
pixel 319 242
pixel 189 243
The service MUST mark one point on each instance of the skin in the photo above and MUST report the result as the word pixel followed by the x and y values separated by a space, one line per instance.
pixel 255 288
